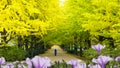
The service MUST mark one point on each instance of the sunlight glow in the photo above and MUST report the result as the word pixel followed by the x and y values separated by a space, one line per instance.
pixel 62 2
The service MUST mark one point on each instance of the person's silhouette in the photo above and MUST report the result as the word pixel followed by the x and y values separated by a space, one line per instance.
pixel 55 52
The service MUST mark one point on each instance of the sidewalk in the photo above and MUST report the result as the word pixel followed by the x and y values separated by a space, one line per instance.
pixel 61 55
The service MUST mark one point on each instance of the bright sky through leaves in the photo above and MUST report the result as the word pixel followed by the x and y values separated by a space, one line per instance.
pixel 62 2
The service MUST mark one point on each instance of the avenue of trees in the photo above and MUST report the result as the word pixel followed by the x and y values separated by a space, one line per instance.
pixel 35 25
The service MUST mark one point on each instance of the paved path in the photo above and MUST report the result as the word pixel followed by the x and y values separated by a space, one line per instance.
pixel 61 55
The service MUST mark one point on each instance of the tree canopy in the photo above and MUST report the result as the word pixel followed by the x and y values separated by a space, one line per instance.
pixel 62 22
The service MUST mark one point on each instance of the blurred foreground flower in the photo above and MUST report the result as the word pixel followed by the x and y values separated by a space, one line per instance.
pixel 98 48
pixel 38 62
pixel 94 66
pixel 2 60
pixel 82 65
pixel 117 58
pixel 29 62
pixel 75 63
pixel 9 65
pixel 102 60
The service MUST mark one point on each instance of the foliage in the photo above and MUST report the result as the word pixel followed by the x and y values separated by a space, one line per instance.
pixel 44 22
pixel 31 52
pixel 111 52
pixel 99 18
pixel 71 51
pixel 29 12
pixel 23 19
pixel 89 54
pixel 12 53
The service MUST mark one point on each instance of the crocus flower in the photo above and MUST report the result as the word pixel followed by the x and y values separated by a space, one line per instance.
pixel 102 60
pixel 82 65
pixel 98 48
pixel 74 63
pixel 94 66
pixel 8 65
pixel 117 58
pixel 46 62
pixel 115 66
pixel 2 60
pixel 29 62
pixel 39 62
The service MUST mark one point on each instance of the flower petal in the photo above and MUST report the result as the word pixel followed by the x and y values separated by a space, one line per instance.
pixel 36 61
pixel 102 60
pixel 29 62
pixel 117 58
pixel 2 60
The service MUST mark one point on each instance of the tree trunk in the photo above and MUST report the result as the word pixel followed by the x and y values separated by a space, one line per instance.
pixel 81 51
pixel 89 43
pixel 20 42
pixel 26 44
pixel 111 42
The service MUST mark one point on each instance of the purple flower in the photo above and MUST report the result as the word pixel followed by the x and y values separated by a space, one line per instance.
pixel 115 66
pixel 98 48
pixel 102 60
pixel 38 62
pixel 82 65
pixel 117 58
pixel 46 61
pixel 74 63
pixel 2 60
pixel 94 66
pixel 29 62
pixel 9 65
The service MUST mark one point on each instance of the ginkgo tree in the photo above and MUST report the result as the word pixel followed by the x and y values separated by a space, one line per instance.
pixel 91 21
pixel 27 21
pixel 22 17
pixel 72 22
pixel 102 20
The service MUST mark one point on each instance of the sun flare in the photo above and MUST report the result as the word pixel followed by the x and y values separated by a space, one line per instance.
pixel 62 2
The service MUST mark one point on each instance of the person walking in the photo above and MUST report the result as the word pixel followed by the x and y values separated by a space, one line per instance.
pixel 55 52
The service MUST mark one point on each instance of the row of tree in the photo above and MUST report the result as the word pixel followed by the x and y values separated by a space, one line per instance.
pixel 88 22
pixel 94 21
pixel 38 23
pixel 27 21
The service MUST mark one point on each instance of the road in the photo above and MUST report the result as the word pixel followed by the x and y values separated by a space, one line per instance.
pixel 61 55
